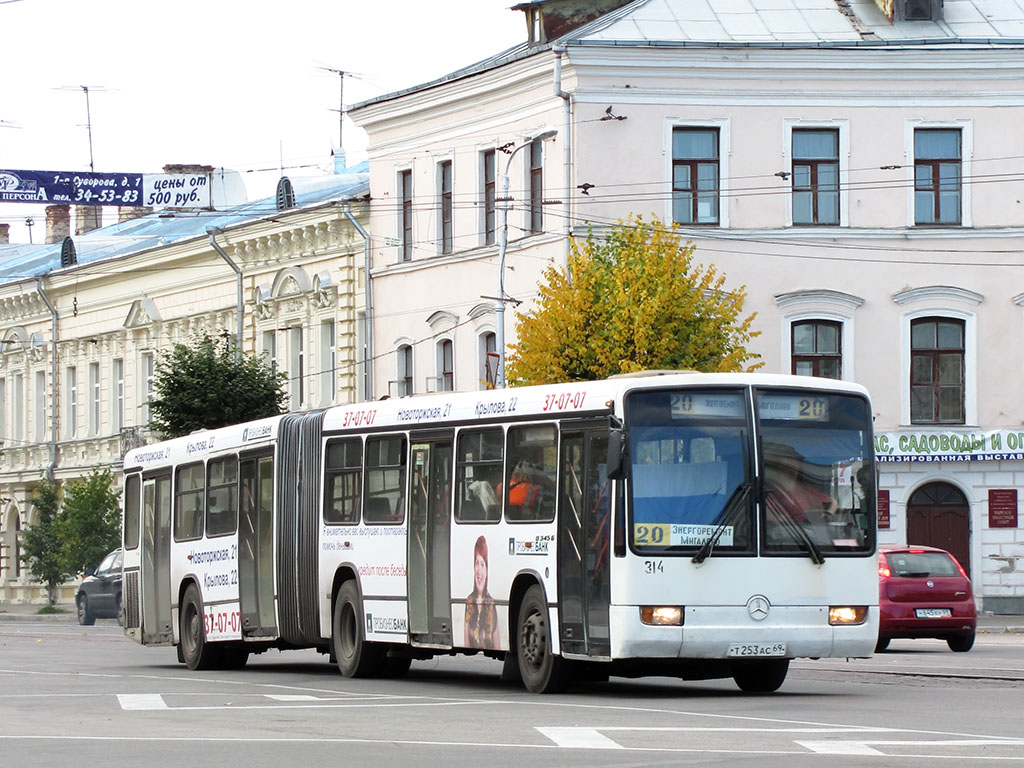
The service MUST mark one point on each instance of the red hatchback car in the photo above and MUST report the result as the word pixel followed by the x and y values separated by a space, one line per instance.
pixel 923 592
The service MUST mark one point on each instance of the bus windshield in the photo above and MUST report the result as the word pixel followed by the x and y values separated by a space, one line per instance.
pixel 689 453
pixel 818 490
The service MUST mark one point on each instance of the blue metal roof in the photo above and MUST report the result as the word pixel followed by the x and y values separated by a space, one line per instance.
pixel 161 228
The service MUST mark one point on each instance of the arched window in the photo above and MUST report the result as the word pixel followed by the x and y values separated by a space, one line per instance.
pixel 445 365
pixel 403 371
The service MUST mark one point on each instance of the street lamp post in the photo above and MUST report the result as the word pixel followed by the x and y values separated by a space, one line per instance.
pixel 499 378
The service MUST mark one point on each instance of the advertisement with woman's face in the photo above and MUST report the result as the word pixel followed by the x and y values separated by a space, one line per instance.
pixel 481 622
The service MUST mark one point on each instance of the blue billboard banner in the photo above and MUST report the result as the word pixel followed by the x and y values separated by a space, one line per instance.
pixel 128 189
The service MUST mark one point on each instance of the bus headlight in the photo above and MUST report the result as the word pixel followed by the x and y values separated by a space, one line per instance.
pixel 663 615
pixel 847 614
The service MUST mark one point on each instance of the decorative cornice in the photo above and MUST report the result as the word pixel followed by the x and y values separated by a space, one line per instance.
pixel 818 296
pixel 938 293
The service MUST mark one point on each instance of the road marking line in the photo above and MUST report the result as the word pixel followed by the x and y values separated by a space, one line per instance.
pixel 579 738
pixel 840 748
pixel 292 697
pixel 137 701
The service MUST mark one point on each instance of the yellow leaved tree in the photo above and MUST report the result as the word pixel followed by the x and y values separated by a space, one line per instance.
pixel 633 299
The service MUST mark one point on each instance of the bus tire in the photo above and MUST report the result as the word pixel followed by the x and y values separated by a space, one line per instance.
pixel 763 676
pixel 542 671
pixel 355 656
pixel 198 653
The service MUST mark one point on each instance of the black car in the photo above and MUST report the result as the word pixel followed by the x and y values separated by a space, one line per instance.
pixel 99 595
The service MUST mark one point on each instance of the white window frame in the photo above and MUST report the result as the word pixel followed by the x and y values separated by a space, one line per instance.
pixel 724 127
pixel 970 362
pixel 966 128
pixel 94 399
pixel 117 394
pixel 481 346
pixel 400 221
pixel 842 125
pixel 846 345
pixel 328 360
pixel 18 407
pixel 482 181
pixel 403 371
pixel 439 187
pixel 40 407
pixel 147 370
pixel 296 366
pixel 71 406
pixel 439 343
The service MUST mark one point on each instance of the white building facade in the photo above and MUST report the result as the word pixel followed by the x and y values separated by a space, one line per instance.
pixel 81 341
pixel 856 166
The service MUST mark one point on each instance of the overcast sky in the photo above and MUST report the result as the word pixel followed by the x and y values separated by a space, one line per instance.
pixel 220 82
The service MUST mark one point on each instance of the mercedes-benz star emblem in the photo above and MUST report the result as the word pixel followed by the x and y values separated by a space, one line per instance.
pixel 758 607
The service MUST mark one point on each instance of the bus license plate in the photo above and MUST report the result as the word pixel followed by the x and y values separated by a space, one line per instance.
pixel 932 613
pixel 757 649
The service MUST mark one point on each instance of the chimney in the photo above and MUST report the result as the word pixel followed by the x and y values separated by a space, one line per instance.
pixel 190 170
pixel 131 212
pixel 5 234
pixel 58 222
pixel 87 218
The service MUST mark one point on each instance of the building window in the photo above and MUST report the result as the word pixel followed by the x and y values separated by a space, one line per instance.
pixel 117 392
pixel 444 193
pixel 490 195
pixel 536 206
pixel 94 399
pixel 695 174
pixel 3 409
pixel 71 411
pixel 488 360
pixel 270 348
pixel 296 368
pixel 815 176
pixel 937 371
pixel 445 366
pixel 817 349
pixel 18 420
pixel 404 360
pixel 40 409
pixel 937 175
pixel 147 369
pixel 405 220
pixel 328 362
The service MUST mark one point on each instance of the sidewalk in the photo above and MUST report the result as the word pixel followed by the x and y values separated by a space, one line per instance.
pixel 987 623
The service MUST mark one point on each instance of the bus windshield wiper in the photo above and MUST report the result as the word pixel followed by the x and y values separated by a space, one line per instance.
pixel 795 529
pixel 735 502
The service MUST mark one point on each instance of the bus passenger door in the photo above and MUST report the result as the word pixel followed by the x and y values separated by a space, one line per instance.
pixel 584 542
pixel 430 614
pixel 256 546
pixel 156 560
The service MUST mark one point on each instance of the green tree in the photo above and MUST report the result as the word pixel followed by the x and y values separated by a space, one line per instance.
pixel 207 385
pixel 41 542
pixel 631 300
pixel 89 525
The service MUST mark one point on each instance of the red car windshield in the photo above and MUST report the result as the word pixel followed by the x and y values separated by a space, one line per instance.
pixel 922 564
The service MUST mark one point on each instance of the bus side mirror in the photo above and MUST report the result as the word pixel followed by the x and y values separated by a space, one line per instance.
pixel 615 468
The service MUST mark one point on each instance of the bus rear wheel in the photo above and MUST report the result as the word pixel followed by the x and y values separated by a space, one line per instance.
pixel 763 676
pixel 542 671
pixel 195 650
pixel 355 656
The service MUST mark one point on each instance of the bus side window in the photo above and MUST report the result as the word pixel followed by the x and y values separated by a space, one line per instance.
pixel 385 479
pixel 529 488
pixel 189 495
pixel 478 476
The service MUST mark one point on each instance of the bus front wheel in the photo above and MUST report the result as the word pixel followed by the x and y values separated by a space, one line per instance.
pixel 763 676
pixel 542 670
pixel 355 656
pixel 195 650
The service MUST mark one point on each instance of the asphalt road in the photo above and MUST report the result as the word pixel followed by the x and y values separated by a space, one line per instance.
pixel 74 695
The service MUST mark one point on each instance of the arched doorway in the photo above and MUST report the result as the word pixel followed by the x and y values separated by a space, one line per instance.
pixel 938 515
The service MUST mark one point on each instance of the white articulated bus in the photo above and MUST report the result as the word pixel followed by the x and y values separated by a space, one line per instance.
pixel 694 525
